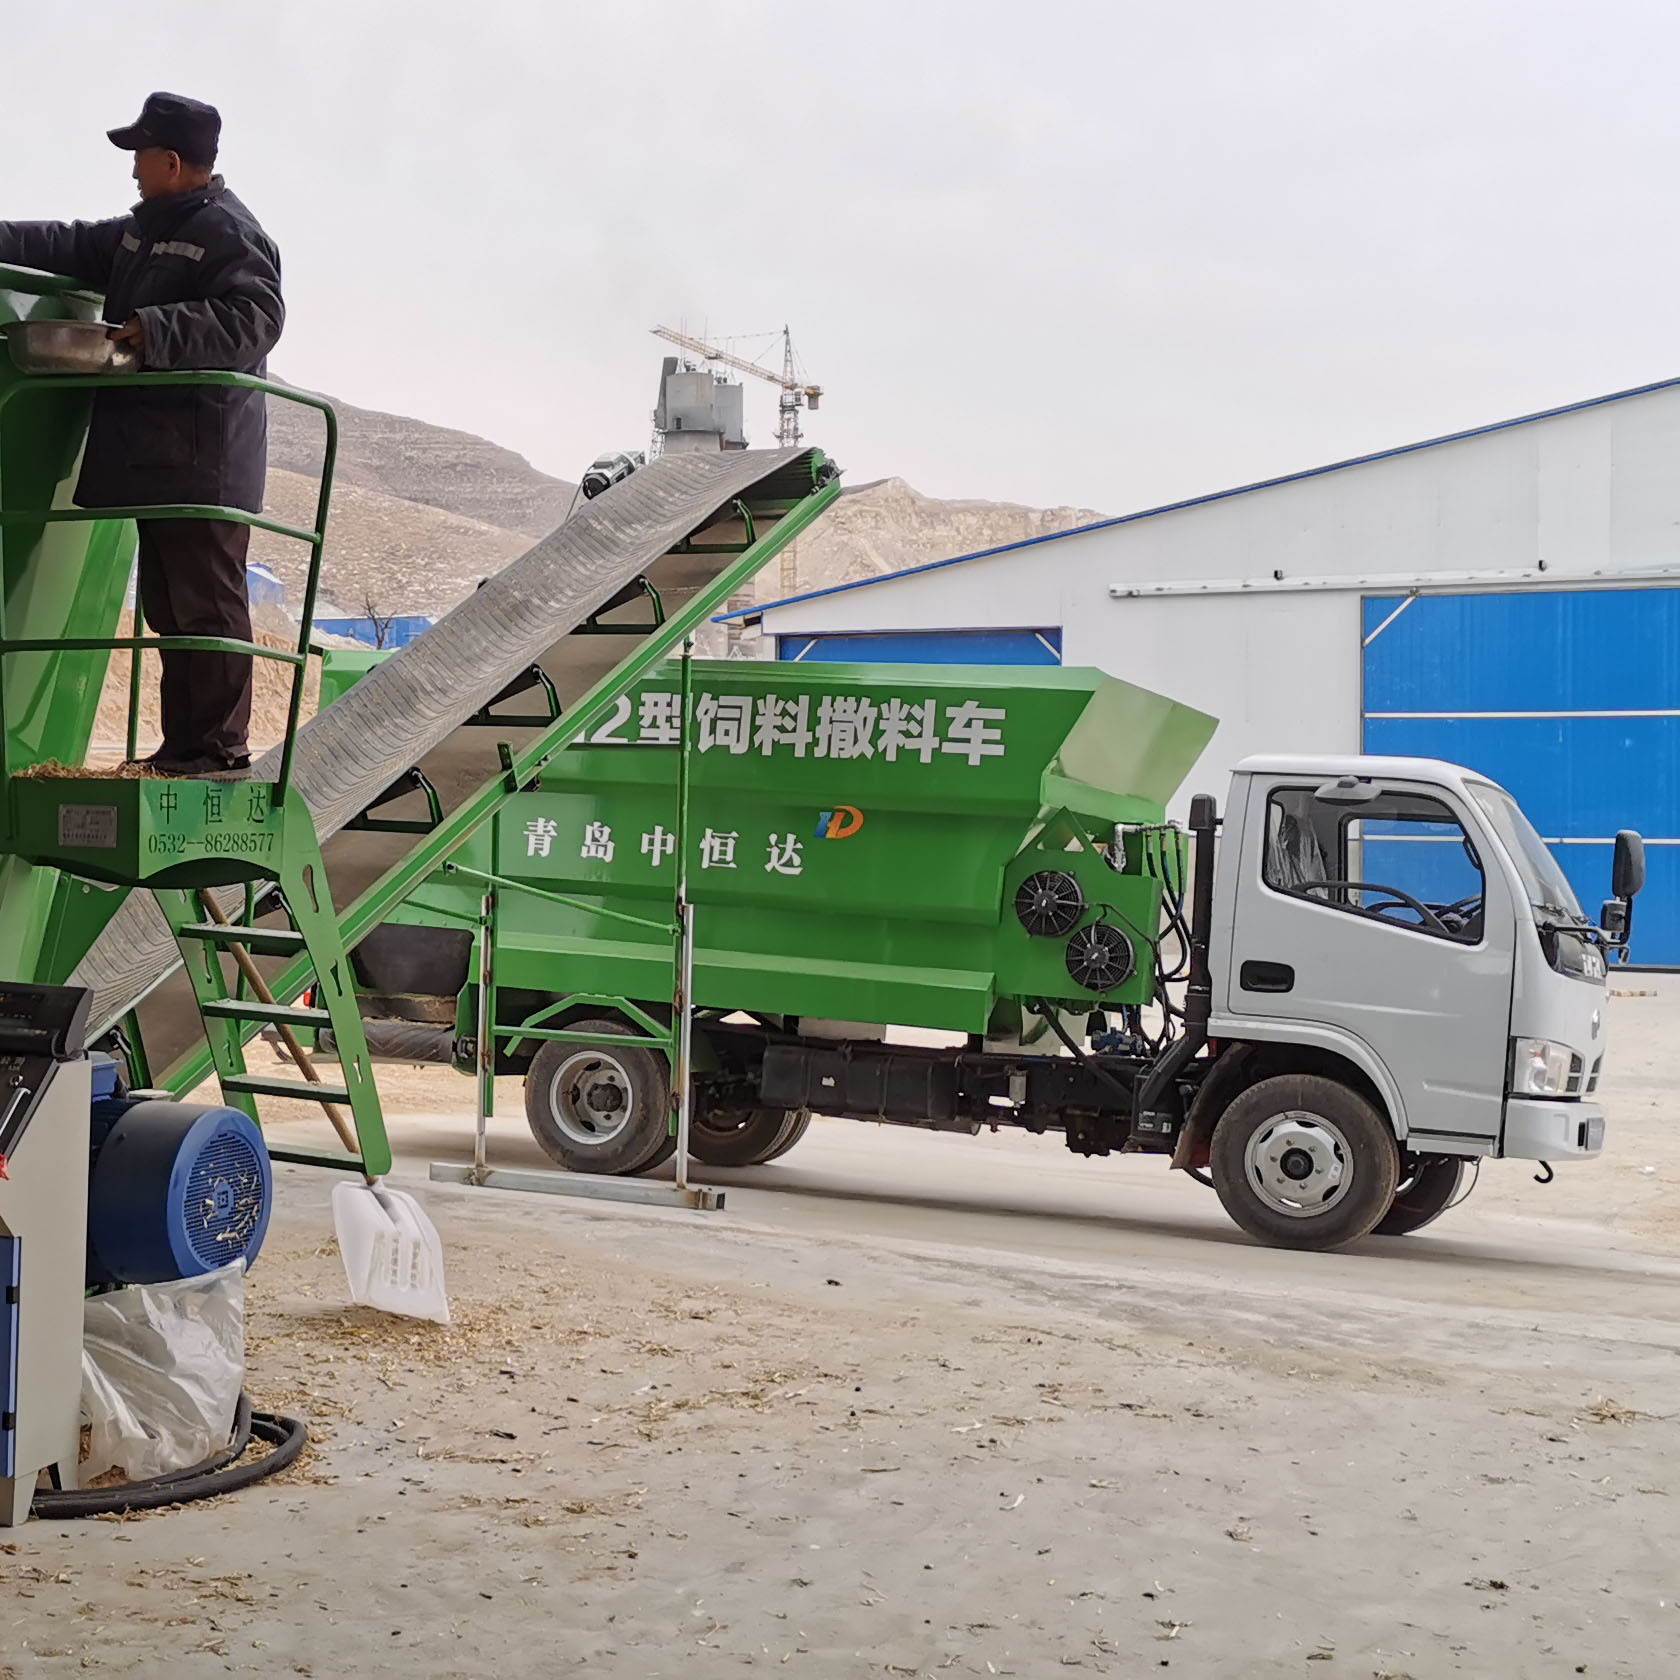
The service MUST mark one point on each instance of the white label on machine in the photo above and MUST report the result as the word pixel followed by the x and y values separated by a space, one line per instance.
pixel 88 826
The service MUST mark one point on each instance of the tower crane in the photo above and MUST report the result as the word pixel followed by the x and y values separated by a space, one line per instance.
pixel 795 393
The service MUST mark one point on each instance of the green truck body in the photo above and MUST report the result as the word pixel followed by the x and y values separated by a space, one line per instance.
pixel 857 836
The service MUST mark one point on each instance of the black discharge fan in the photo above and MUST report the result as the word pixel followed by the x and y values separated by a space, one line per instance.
pixel 1049 902
pixel 1100 958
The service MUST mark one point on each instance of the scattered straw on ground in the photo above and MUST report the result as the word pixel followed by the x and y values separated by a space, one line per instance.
pixel 1606 1410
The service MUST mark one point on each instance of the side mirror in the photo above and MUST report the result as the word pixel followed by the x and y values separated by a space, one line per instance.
pixel 1348 790
pixel 1613 918
pixel 1627 869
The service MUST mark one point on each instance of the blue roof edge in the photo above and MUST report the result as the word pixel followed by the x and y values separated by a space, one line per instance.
pixel 1213 496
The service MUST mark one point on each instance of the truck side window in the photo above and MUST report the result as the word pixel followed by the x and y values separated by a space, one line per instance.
pixel 1401 858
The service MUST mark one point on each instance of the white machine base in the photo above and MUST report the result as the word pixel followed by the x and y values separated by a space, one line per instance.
pixel 43 1205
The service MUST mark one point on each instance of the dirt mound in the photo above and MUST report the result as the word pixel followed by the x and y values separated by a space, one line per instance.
pixel 432 465
pixel 888 525
pixel 406 557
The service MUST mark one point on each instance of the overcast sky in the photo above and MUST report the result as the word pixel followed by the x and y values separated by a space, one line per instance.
pixel 1106 254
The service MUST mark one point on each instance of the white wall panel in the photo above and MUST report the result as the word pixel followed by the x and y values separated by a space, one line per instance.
pixel 1595 489
pixel 1281 673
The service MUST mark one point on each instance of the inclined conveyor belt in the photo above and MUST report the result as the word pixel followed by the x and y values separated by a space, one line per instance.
pixel 410 710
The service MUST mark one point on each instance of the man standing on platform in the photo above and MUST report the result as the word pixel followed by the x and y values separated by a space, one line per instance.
pixel 190 281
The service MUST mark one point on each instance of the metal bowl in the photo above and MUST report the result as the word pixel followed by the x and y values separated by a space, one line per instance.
pixel 66 347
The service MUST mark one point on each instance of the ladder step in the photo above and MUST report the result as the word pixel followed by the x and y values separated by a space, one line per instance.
pixel 315 1157
pixel 300 1090
pixel 267 942
pixel 252 1009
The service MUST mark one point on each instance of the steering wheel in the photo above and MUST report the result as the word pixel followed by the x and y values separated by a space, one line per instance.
pixel 1396 899
pixel 1461 913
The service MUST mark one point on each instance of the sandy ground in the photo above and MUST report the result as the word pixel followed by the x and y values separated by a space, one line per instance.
pixel 917 1404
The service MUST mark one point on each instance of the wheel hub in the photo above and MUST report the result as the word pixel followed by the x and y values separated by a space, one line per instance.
pixel 1299 1164
pixel 1296 1164
pixel 591 1098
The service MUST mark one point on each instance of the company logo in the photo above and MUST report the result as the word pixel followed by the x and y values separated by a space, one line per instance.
pixel 839 824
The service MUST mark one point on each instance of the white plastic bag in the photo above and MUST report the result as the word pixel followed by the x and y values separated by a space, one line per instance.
pixel 393 1255
pixel 162 1367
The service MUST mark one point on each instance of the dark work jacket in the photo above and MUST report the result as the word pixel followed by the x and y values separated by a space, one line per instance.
pixel 204 280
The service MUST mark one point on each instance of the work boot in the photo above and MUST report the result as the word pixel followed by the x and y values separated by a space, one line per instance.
pixel 204 768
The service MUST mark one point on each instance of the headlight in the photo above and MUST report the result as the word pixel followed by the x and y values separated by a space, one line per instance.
pixel 1540 1068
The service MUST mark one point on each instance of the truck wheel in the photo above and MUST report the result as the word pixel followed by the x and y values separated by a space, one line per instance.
pixel 741 1138
pixel 1428 1185
pixel 1300 1161
pixel 597 1108
pixel 798 1124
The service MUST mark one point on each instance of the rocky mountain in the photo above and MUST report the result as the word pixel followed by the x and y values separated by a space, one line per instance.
pixel 417 462
pixel 887 525
pixel 403 556
pixel 421 513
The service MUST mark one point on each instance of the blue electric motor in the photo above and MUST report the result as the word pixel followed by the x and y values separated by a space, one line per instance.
pixel 174 1189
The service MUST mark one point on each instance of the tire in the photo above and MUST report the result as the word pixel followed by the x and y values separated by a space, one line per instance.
pixel 743 1138
pixel 667 1148
pixel 1428 1185
pixel 799 1123
pixel 575 1115
pixel 1301 1161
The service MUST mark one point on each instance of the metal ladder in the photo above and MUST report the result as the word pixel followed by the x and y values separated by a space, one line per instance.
pixel 329 1001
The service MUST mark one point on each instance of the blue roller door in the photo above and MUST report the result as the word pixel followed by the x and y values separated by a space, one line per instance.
pixel 928 647
pixel 1569 698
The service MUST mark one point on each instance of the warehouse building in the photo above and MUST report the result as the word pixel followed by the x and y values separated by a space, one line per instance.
pixel 1507 597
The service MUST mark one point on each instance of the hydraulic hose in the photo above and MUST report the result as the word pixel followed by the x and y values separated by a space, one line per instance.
pixel 1054 1022
pixel 1198 992
pixel 225 1472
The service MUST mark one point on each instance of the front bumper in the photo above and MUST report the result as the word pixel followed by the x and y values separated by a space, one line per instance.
pixel 1536 1130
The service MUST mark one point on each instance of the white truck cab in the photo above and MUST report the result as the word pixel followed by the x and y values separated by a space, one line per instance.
pixel 1396 927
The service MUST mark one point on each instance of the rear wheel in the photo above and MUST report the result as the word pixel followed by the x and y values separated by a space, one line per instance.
pixel 1428 1186
pixel 798 1124
pixel 599 1108
pixel 1301 1161
pixel 742 1137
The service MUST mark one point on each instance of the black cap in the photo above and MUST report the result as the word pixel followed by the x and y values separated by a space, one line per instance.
pixel 175 123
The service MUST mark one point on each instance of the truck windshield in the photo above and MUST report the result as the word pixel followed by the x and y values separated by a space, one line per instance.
pixel 1548 891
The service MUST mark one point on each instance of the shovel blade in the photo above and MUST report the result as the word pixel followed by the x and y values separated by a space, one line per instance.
pixel 393 1256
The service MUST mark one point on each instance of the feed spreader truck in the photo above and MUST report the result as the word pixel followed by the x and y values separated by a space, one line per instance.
pixel 1368 974
pixel 1383 976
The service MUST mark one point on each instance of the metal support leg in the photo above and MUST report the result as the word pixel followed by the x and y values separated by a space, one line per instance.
pixel 682 1082
pixel 682 1004
pixel 591 1186
pixel 486 1031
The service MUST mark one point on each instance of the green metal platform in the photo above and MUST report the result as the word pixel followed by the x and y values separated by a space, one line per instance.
pixel 176 839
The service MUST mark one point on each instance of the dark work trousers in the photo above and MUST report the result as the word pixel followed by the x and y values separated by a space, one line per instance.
pixel 192 583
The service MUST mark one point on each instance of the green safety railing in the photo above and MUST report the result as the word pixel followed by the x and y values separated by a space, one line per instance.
pixel 136 645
